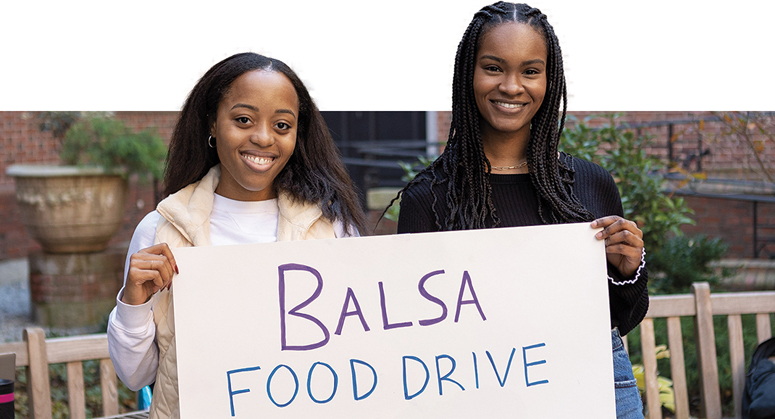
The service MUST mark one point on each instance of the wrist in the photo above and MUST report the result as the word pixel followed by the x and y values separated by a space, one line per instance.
pixel 133 297
pixel 635 274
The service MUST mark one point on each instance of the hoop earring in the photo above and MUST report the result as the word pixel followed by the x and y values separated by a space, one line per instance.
pixel 210 141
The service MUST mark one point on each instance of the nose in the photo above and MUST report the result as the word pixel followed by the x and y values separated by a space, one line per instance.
pixel 262 136
pixel 511 85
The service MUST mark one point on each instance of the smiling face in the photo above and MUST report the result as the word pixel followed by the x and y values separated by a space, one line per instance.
pixel 509 80
pixel 255 132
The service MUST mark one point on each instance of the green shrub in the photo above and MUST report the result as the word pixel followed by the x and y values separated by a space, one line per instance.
pixel 107 142
pixel 683 260
pixel 638 176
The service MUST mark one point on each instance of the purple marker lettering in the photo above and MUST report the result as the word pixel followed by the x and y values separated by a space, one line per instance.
pixel 385 324
pixel 345 313
pixel 295 311
pixel 467 280
pixel 429 297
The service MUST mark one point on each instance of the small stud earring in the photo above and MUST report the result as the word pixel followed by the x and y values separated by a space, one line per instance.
pixel 210 141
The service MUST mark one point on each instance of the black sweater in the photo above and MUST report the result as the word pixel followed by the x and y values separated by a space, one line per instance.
pixel 516 204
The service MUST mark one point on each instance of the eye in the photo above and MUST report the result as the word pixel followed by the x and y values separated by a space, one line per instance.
pixel 242 119
pixel 492 68
pixel 532 72
pixel 283 126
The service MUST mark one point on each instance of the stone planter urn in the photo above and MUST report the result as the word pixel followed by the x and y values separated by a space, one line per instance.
pixel 70 209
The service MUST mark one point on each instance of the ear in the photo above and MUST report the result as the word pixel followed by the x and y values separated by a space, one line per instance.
pixel 213 128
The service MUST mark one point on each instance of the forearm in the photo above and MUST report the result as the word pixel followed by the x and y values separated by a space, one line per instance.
pixel 629 298
pixel 131 341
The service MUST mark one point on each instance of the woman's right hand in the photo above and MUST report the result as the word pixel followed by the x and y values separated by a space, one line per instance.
pixel 150 270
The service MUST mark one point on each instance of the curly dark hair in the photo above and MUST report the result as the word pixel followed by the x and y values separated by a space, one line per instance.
pixel 314 173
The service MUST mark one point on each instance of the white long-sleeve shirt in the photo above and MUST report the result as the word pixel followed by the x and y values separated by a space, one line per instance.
pixel 131 330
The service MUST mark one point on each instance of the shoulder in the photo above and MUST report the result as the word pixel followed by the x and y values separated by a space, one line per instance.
pixel 146 229
pixel 594 186
pixel 429 178
pixel 422 202
pixel 585 169
pixel 587 174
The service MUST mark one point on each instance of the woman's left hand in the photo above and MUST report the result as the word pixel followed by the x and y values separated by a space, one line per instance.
pixel 623 243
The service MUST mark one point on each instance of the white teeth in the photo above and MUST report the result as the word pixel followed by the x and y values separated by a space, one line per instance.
pixel 510 105
pixel 257 160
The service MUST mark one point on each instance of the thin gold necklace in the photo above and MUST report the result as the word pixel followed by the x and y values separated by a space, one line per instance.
pixel 523 164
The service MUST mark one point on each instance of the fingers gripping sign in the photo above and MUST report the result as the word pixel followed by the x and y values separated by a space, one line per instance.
pixel 150 270
pixel 623 243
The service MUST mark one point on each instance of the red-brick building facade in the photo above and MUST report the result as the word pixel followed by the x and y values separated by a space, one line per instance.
pixel 726 156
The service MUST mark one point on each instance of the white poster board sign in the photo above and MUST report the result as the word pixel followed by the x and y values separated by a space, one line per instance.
pixel 508 322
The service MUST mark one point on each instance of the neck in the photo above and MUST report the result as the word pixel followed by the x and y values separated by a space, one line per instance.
pixel 504 150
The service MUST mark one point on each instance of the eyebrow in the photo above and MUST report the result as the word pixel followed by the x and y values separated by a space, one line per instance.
pixel 243 105
pixel 536 61
pixel 253 108
pixel 492 57
pixel 285 111
pixel 501 60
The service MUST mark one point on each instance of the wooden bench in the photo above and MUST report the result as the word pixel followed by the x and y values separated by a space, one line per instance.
pixel 36 353
pixel 702 306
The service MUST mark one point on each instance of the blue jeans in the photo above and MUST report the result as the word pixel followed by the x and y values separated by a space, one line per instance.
pixel 628 403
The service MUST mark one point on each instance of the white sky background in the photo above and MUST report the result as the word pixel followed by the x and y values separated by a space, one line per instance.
pixel 378 56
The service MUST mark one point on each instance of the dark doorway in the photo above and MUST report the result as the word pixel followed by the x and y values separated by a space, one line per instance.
pixel 373 142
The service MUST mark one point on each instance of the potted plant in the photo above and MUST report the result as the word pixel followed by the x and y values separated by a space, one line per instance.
pixel 78 206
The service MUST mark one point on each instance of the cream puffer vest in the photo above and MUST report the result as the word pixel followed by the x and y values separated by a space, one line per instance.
pixel 185 222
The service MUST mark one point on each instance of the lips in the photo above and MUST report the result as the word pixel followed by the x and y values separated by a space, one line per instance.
pixel 257 161
pixel 508 105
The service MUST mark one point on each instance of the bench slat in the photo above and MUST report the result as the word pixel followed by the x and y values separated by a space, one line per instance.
pixel 648 345
pixel 76 391
pixel 37 373
pixel 671 305
pixel 763 328
pixel 737 360
pixel 109 386
pixel 77 348
pixel 19 348
pixel 743 302
pixel 675 342
pixel 706 351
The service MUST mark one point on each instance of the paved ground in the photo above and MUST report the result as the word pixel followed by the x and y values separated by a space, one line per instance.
pixel 15 305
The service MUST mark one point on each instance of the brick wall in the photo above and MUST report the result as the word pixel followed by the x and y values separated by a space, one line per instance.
pixel 22 142
pixel 728 158
pixel 732 220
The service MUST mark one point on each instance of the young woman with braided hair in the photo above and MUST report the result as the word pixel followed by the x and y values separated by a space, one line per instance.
pixel 501 166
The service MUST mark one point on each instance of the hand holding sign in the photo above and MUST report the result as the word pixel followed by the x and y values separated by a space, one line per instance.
pixel 150 270
pixel 623 243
